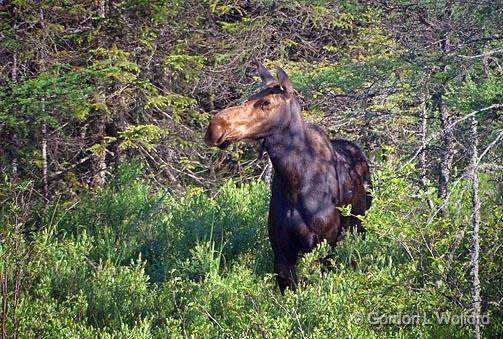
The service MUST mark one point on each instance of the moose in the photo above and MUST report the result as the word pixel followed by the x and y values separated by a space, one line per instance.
pixel 313 175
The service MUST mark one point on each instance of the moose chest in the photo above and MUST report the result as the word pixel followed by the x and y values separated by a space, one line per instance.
pixel 309 205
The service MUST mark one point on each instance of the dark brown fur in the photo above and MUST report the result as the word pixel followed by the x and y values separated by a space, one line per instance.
pixel 313 175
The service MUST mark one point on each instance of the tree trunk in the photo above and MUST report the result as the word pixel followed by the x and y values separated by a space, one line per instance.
pixel 100 168
pixel 5 296
pixel 45 180
pixel 422 156
pixel 14 168
pixel 99 164
pixel 475 248
pixel 447 155
pixel 445 121
pixel 268 172
pixel 15 79
pixel 103 9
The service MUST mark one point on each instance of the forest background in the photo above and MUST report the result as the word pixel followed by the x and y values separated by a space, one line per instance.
pixel 116 220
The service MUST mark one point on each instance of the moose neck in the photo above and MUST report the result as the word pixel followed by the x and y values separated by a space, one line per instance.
pixel 287 144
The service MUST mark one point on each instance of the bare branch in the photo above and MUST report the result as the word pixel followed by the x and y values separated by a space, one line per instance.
pixel 482 55
pixel 422 148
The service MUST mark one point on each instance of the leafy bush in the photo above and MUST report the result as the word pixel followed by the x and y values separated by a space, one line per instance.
pixel 128 262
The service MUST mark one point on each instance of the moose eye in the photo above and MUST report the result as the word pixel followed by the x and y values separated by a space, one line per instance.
pixel 265 103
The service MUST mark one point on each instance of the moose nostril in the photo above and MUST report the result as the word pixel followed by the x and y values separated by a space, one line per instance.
pixel 207 137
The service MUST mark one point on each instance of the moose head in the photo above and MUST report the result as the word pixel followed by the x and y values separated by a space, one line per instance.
pixel 259 116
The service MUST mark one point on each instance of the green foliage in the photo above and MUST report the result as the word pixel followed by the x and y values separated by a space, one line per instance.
pixel 119 295
pixel 130 262
pixel 141 135
pixel 114 64
pixel 344 78
pixel 471 95
pixel 185 64
pixel 115 80
pixel 60 93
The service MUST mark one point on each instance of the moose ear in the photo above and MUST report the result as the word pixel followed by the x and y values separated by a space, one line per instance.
pixel 284 82
pixel 266 77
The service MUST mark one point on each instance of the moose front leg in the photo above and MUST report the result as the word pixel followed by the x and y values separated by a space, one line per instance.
pixel 354 222
pixel 285 273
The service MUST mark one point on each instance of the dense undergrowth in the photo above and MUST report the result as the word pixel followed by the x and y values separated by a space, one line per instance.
pixel 128 262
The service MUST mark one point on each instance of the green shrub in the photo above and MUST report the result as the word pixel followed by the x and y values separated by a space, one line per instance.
pixel 129 262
